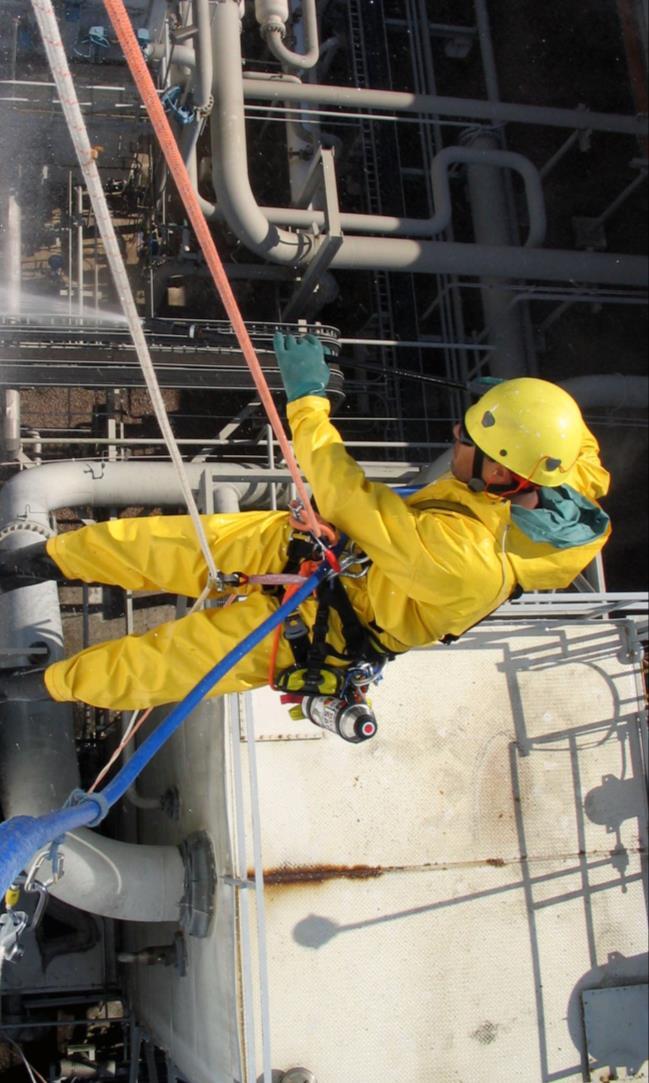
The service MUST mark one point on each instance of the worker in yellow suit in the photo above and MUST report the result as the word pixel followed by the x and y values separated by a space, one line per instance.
pixel 519 510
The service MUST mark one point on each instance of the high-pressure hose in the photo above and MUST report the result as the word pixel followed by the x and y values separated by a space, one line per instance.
pixel 22 836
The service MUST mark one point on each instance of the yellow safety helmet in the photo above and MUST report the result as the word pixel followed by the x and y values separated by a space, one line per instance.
pixel 531 426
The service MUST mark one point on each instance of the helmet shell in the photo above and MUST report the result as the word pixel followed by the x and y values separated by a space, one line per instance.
pixel 531 426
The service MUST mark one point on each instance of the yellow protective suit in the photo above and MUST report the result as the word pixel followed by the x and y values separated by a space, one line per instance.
pixel 434 570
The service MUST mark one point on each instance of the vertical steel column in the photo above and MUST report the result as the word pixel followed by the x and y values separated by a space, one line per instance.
pixel 80 250
pixel 488 199
pixel 70 242
pixel 486 50
pixel 9 397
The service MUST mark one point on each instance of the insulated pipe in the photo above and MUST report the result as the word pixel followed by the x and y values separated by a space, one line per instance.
pixel 229 151
pixel 197 62
pixel 301 142
pixel 38 767
pixel 614 392
pixel 111 484
pixel 38 764
pixel 492 226
pixel 241 199
pixel 436 257
pixel 183 56
pixel 204 66
pixel 433 105
pixel 272 15
pixel 274 36
pixel 441 220
pixel 246 218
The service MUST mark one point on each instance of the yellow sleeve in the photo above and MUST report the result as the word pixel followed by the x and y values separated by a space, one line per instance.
pixel 588 476
pixel 424 555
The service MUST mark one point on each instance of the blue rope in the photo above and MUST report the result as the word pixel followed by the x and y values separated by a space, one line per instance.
pixel 22 836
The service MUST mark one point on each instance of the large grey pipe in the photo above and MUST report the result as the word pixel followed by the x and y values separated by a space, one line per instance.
pixel 38 767
pixel 247 220
pixel 492 226
pixel 610 392
pixel 349 97
pixel 393 225
pixel 230 155
pixel 274 35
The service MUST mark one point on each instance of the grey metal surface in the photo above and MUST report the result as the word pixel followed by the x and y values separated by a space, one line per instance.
pixel 437 899
pixel 615 1019
pixel 195 1017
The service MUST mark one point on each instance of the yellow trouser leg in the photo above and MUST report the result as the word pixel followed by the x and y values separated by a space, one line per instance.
pixel 161 552
pixel 163 665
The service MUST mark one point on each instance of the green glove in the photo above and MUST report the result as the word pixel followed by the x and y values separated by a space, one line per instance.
pixel 302 365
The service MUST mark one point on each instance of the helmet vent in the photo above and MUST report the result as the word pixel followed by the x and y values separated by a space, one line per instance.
pixel 552 464
pixel 503 452
pixel 488 419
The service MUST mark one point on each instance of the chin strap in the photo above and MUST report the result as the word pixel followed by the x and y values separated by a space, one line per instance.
pixel 477 483
pixel 511 488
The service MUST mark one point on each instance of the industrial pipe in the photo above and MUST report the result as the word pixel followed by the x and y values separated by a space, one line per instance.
pixel 273 29
pixel 394 225
pixel 113 484
pixel 38 767
pixel 492 226
pixel 248 222
pixel 612 392
pixel 229 151
pixel 397 101
pixel 202 88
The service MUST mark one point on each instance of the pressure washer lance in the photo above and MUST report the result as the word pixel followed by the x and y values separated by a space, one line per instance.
pixel 353 722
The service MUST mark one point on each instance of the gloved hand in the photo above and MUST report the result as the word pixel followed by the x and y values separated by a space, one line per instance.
pixel 302 365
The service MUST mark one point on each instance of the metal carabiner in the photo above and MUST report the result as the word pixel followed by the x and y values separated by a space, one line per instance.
pixel 40 887
pixel 350 561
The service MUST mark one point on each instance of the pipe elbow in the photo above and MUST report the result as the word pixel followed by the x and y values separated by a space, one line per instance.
pixel 298 61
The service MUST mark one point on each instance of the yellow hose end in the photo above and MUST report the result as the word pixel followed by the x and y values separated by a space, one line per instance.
pixel 12 895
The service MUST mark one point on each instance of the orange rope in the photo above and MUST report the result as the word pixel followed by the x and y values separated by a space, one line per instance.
pixel 142 78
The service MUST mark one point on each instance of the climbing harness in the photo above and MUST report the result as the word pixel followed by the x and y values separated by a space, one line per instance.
pixel 323 683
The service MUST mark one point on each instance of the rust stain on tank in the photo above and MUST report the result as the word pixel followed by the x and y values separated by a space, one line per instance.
pixel 287 875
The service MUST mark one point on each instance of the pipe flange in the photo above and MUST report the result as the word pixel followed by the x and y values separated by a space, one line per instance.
pixel 203 111
pixel 26 526
pixel 197 903
pixel 274 26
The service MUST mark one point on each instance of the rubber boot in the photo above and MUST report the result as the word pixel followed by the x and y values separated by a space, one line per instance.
pixel 22 567
pixel 24 685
